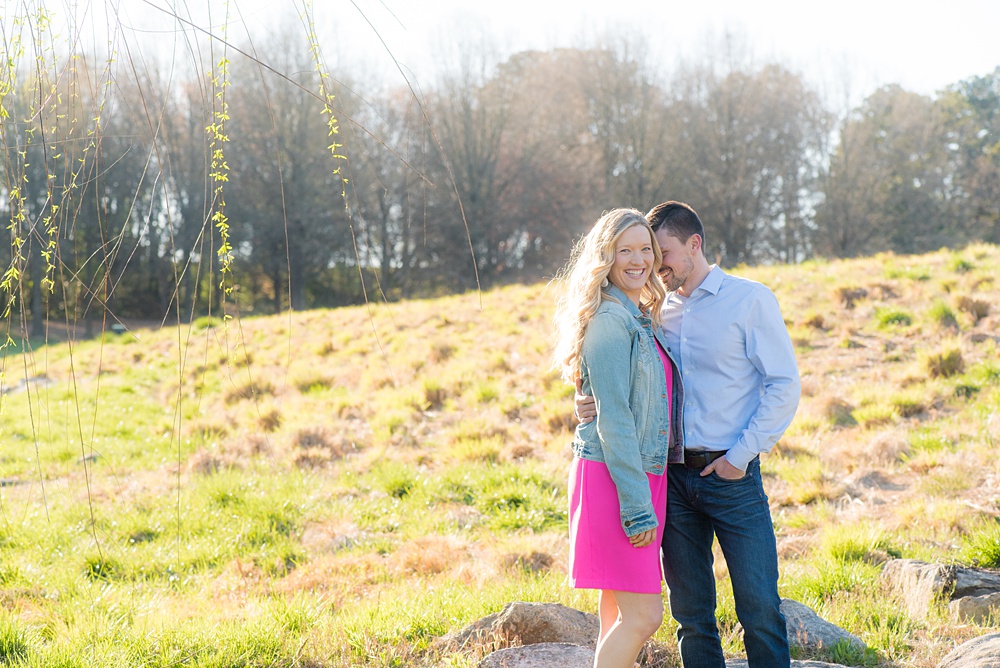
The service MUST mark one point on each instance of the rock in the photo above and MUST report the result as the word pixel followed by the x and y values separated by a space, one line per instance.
pixel 531 624
pixel 542 655
pixel 536 623
pixel 982 652
pixel 920 584
pixel 975 582
pixel 808 630
pixel 476 633
pixel 974 609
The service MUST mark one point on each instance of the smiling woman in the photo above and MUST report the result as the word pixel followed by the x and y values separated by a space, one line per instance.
pixel 634 256
pixel 610 345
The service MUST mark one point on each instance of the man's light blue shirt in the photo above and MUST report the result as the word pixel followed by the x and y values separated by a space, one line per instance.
pixel 741 382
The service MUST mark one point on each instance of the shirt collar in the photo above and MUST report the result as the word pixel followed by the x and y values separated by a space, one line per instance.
pixel 618 294
pixel 713 281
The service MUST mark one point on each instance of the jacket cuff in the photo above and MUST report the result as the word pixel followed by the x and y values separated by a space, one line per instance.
pixel 636 522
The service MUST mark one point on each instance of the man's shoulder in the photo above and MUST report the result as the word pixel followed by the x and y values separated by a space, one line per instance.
pixel 744 285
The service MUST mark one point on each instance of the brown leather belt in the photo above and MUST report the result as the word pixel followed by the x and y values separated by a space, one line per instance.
pixel 699 459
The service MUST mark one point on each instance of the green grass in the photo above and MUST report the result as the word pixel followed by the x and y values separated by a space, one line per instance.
pixel 224 503
pixel 890 316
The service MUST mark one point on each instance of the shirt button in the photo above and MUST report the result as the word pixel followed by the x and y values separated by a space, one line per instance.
pixel 684 340
pixel 686 373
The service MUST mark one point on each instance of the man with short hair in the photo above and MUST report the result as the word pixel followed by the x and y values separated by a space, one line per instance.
pixel 741 389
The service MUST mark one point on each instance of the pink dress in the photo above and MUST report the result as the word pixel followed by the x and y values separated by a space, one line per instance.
pixel 601 556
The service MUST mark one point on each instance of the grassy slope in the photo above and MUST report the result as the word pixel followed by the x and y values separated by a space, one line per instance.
pixel 339 487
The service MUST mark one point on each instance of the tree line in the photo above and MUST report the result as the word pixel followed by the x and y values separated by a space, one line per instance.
pixel 113 174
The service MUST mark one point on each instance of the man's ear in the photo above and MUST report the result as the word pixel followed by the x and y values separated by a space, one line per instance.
pixel 696 242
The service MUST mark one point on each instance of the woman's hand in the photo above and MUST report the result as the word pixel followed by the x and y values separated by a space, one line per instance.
pixel 643 539
pixel 585 407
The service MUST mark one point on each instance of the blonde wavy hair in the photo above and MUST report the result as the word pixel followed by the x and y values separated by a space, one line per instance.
pixel 584 277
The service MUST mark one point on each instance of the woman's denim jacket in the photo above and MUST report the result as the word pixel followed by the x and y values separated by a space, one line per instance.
pixel 621 369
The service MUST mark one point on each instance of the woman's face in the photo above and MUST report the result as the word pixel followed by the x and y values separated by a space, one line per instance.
pixel 633 261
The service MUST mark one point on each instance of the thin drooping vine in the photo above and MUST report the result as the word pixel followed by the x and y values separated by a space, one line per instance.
pixel 219 168
pixel 340 159
pixel 10 280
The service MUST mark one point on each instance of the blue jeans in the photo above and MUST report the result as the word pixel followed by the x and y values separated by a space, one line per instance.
pixel 737 513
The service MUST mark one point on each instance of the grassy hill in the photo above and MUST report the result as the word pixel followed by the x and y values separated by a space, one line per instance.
pixel 338 488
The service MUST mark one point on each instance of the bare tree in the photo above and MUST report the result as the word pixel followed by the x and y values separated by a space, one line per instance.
pixel 886 179
pixel 751 143
pixel 627 122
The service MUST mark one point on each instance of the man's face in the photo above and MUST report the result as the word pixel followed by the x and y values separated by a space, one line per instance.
pixel 678 260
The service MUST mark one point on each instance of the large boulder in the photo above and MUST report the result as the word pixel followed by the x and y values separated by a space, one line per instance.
pixel 975 609
pixel 535 623
pixel 530 624
pixel 542 655
pixel 975 582
pixel 922 585
pixel 919 584
pixel 982 652
pixel 476 633
pixel 809 631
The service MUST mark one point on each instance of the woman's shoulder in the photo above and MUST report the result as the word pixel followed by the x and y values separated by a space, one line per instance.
pixel 612 319
pixel 611 311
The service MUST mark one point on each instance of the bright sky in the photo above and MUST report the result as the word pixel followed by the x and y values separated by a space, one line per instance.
pixel 923 45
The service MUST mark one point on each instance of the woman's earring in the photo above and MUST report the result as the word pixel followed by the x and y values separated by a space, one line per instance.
pixel 604 283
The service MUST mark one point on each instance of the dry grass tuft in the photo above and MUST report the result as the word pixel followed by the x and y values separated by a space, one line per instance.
pixel 945 364
pixel 977 308
pixel 849 296
pixel 430 555
pixel 441 352
pixel 249 445
pixel 838 412
pixel 884 291
pixel 208 430
pixel 562 422
pixel 252 390
pixel 210 461
pixel 269 420
pixel 313 437
pixel 534 562
pixel 815 321
pixel 434 395
pixel 316 447
pixel 312 458
pixel 520 451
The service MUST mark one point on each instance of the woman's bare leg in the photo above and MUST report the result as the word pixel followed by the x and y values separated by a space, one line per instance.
pixel 639 616
pixel 608 612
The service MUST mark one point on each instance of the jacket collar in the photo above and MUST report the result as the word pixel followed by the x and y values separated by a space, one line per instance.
pixel 619 295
